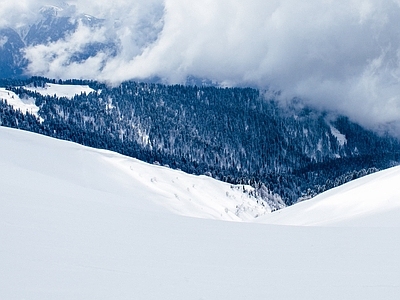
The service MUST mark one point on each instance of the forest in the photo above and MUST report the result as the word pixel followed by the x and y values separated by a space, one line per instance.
pixel 237 135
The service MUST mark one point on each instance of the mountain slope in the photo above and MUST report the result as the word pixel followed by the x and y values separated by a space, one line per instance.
pixel 235 134
pixel 72 37
pixel 76 225
pixel 107 173
pixel 373 200
pixel 12 61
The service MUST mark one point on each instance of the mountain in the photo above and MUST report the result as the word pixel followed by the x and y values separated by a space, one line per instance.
pixel 12 61
pixel 237 135
pixel 53 24
pixel 82 223
pixel 51 27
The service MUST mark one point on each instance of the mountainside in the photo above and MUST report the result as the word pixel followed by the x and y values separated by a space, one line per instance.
pixel 199 150
pixel 277 46
pixel 12 61
pixel 371 201
pixel 233 134
pixel 53 24
pixel 62 24
pixel 115 175
pixel 78 223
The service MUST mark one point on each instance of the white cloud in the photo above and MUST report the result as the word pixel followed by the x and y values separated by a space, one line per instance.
pixel 341 55
pixel 56 59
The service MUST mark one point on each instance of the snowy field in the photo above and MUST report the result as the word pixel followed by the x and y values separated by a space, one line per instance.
pixel 81 223
pixel 61 90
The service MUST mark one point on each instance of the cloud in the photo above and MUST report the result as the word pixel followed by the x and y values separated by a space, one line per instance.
pixel 56 59
pixel 341 55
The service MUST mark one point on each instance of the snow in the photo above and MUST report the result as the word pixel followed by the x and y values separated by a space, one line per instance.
pixel 341 138
pixel 61 90
pixel 28 104
pixel 25 105
pixel 81 223
pixel 190 195
pixel 370 201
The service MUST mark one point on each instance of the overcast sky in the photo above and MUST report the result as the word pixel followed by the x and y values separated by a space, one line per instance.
pixel 342 55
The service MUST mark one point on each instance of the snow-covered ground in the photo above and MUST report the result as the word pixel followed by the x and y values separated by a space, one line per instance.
pixel 81 223
pixel 28 104
pixel 25 105
pixel 370 201
pixel 61 90
pixel 341 138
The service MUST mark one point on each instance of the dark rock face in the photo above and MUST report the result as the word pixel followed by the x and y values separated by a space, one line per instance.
pixel 12 61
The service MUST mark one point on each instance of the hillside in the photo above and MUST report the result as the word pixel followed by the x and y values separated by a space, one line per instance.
pixel 112 175
pixel 77 224
pixel 237 135
pixel 371 201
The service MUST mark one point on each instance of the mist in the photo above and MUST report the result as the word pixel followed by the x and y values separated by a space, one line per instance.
pixel 341 56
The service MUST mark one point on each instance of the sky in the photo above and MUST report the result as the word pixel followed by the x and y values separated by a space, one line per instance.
pixel 342 56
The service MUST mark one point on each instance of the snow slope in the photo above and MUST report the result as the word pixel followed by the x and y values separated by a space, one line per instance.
pixel 25 105
pixel 373 200
pixel 76 224
pixel 28 104
pixel 176 191
pixel 61 90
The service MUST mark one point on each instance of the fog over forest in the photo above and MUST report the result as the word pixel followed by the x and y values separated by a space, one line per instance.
pixel 336 55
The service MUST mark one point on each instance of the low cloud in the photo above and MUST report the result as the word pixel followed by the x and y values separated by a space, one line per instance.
pixel 56 59
pixel 338 55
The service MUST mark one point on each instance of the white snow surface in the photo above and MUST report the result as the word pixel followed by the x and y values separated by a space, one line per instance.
pixel 25 105
pixel 81 223
pixel 370 201
pixel 340 137
pixel 61 90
